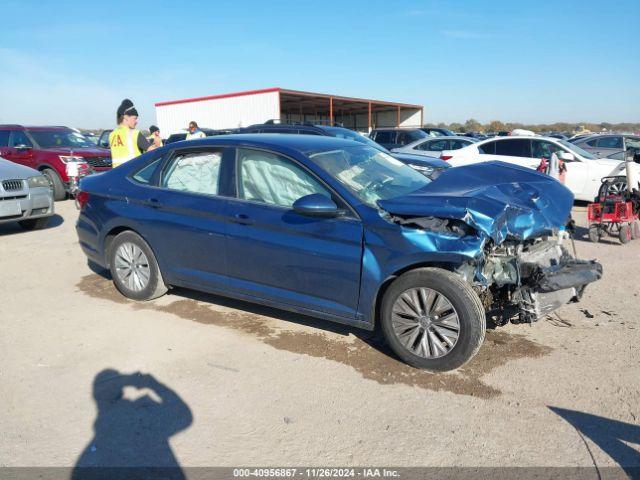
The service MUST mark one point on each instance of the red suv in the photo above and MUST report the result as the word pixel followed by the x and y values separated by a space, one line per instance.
pixel 49 149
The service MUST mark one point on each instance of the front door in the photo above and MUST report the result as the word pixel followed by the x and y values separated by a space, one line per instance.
pixel 20 149
pixel 288 258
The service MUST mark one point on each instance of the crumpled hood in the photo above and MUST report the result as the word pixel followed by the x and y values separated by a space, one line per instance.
pixel 498 199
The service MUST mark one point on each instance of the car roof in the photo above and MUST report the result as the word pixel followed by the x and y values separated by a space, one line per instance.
pixel 447 137
pixel 301 143
pixel 34 127
pixel 395 129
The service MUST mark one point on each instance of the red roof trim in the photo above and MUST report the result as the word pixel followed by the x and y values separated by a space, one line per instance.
pixel 214 97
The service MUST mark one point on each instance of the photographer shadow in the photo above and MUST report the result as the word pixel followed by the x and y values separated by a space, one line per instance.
pixel 136 417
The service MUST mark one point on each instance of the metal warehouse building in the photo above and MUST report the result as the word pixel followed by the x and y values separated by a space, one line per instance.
pixel 242 109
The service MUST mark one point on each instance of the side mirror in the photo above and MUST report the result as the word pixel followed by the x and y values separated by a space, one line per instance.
pixel 567 157
pixel 316 205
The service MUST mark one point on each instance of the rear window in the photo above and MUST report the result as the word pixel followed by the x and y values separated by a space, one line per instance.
pixel 4 138
pixel 514 148
pixel 385 137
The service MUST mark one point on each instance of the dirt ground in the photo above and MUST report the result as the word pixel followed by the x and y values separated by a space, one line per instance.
pixel 226 383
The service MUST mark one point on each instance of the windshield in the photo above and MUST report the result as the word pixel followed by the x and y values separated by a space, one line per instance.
pixel 60 138
pixel 370 174
pixel 578 150
pixel 355 136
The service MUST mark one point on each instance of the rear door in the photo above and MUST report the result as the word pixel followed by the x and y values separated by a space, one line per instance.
pixel 285 257
pixel 184 215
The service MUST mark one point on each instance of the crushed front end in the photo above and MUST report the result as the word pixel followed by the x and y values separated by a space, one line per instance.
pixel 524 281
pixel 510 223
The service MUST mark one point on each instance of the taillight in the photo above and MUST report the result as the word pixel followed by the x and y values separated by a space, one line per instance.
pixel 446 157
pixel 81 199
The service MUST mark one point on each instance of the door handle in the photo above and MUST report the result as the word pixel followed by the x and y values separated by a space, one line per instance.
pixel 153 203
pixel 242 219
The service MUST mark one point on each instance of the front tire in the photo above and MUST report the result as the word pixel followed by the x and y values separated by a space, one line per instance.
pixel 134 268
pixel 59 193
pixel 432 319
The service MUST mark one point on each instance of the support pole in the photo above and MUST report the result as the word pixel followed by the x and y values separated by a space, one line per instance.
pixel 398 117
pixel 331 111
pixel 369 118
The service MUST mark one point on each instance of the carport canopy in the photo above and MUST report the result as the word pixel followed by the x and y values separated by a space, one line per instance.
pixel 356 113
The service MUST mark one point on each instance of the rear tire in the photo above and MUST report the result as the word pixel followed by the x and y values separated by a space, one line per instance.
pixel 449 319
pixel 594 233
pixel 134 268
pixel 624 234
pixel 34 223
pixel 59 193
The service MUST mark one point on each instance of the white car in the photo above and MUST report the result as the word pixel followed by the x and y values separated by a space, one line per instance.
pixel 433 146
pixel 584 170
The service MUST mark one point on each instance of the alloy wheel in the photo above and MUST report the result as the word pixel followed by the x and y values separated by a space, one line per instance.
pixel 132 267
pixel 425 322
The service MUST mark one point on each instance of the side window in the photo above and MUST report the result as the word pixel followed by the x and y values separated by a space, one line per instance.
pixel 308 132
pixel 592 143
pixel 196 172
pixel 269 178
pixel 488 148
pixel 542 149
pixel 385 137
pixel 456 144
pixel 4 138
pixel 516 147
pixel 144 175
pixel 610 142
pixel 19 138
pixel 407 137
pixel 415 135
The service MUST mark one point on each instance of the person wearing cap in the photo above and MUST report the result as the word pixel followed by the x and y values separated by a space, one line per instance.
pixel 194 131
pixel 125 141
pixel 154 136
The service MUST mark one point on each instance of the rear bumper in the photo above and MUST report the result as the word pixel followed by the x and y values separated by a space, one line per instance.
pixel 34 203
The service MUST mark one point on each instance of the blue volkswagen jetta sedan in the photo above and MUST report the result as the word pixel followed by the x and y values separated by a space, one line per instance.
pixel 341 231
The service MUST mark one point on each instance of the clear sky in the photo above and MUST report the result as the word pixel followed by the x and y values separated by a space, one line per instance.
pixel 72 62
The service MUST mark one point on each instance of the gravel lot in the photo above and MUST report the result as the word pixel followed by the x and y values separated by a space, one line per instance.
pixel 231 383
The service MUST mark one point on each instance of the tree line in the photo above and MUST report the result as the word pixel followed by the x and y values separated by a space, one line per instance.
pixel 473 125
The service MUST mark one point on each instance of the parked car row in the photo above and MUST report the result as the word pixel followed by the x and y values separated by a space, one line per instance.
pixel 49 150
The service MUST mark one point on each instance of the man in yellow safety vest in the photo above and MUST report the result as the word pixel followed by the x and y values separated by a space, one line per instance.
pixel 126 142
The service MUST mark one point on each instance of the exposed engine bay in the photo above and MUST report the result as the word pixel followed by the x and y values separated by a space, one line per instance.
pixel 527 281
